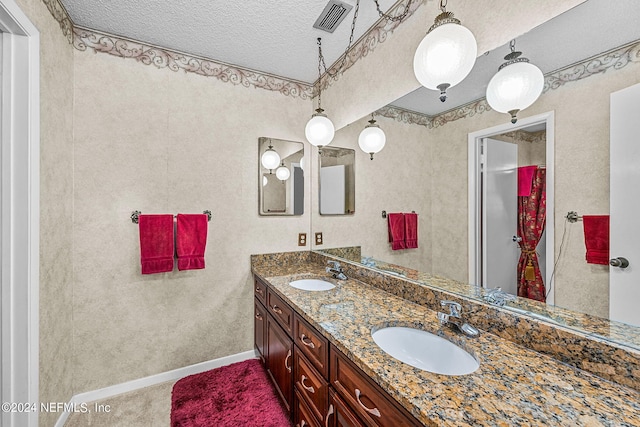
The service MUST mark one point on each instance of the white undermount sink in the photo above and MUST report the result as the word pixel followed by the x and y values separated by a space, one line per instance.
pixel 312 285
pixel 425 351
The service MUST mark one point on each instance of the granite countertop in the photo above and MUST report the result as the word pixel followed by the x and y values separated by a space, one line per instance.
pixel 514 386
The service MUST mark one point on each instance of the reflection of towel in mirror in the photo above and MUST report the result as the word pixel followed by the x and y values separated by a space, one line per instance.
pixel 395 222
pixel 596 238
pixel 411 230
pixel 156 243
pixel 525 179
pixel 191 241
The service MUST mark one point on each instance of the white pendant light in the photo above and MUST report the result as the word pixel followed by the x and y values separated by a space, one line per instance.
pixel 372 139
pixel 515 86
pixel 446 55
pixel 270 158
pixel 319 130
pixel 283 173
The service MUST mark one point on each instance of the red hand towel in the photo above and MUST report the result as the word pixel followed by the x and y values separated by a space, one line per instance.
pixel 191 241
pixel 525 179
pixel 156 243
pixel 596 238
pixel 411 230
pixel 395 222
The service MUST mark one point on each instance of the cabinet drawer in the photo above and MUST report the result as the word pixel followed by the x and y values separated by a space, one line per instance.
pixel 260 290
pixel 310 385
pixel 312 344
pixel 302 414
pixel 280 311
pixel 340 415
pixel 372 404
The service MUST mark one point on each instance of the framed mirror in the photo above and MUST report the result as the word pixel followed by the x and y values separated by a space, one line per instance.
pixel 337 181
pixel 280 177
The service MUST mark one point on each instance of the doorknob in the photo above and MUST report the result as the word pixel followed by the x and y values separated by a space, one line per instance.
pixel 619 262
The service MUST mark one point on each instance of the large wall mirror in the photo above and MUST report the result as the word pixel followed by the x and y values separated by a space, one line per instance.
pixel 425 165
pixel 336 180
pixel 280 177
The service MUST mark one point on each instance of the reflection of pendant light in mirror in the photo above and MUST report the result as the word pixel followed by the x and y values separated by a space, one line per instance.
pixel 283 173
pixel 303 163
pixel 372 138
pixel 265 181
pixel 319 130
pixel 446 55
pixel 516 85
pixel 270 159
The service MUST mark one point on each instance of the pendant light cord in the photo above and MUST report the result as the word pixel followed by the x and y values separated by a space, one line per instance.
pixel 396 18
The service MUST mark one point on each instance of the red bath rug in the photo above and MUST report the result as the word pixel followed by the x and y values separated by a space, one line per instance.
pixel 235 395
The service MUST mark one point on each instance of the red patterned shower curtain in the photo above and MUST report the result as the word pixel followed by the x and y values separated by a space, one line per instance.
pixel 532 213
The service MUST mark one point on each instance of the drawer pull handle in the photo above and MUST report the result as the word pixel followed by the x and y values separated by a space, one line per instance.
pixel 259 290
pixel 276 309
pixel 329 413
pixel 309 344
pixel 306 387
pixel 286 365
pixel 373 411
pixel 258 316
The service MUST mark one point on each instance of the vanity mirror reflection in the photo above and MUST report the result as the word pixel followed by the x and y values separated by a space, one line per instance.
pixel 280 177
pixel 336 181
pixel 425 164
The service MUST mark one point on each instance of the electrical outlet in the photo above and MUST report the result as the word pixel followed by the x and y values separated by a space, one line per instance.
pixel 302 239
pixel 319 238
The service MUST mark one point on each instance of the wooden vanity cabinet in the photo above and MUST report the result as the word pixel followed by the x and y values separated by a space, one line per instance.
pixel 370 402
pixel 260 328
pixel 279 357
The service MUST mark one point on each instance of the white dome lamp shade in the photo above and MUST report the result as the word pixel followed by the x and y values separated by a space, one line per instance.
pixel 270 158
pixel 515 86
pixel 372 139
pixel 319 130
pixel 283 173
pixel 446 55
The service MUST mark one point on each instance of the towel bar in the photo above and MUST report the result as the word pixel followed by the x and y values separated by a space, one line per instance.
pixel 572 216
pixel 384 214
pixel 136 214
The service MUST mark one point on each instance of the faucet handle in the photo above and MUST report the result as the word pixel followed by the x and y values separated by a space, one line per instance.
pixel 334 264
pixel 454 307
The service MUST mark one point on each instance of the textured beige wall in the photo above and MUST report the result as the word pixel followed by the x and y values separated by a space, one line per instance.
pixel 398 179
pixel 56 203
pixel 165 142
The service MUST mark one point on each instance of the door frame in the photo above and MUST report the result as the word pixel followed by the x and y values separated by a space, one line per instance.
pixel 475 243
pixel 20 212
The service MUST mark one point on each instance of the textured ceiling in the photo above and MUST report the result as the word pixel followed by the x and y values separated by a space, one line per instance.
pixel 593 27
pixel 275 37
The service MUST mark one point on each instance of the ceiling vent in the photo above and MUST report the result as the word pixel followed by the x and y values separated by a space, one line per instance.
pixel 332 15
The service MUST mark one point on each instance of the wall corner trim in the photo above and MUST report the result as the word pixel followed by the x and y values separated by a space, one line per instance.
pixel 133 385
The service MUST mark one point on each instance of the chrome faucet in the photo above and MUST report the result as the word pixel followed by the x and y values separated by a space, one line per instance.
pixel 454 318
pixel 336 270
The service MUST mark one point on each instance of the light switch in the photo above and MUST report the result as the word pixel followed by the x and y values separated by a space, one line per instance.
pixel 319 238
pixel 302 239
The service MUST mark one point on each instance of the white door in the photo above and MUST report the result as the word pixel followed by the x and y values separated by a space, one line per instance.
pixel 624 283
pixel 500 253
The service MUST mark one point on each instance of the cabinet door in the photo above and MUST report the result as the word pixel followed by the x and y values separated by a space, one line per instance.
pixel 260 328
pixel 339 414
pixel 280 360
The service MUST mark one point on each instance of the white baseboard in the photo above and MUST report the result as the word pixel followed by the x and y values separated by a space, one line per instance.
pixel 133 385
